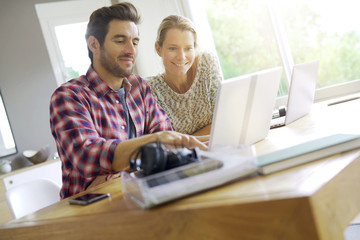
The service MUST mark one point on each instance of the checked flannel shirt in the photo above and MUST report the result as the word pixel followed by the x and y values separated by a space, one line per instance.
pixel 87 121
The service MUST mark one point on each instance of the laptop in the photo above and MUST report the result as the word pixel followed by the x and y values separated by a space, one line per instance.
pixel 301 93
pixel 243 108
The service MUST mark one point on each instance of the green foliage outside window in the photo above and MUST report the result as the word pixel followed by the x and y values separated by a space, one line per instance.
pixel 338 52
pixel 245 42
pixel 72 73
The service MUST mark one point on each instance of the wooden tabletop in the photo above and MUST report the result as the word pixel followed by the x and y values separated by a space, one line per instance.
pixel 313 201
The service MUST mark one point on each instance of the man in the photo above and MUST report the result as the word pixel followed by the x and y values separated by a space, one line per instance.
pixel 99 119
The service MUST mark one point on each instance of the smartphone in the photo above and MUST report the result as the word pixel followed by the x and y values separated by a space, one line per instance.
pixel 88 198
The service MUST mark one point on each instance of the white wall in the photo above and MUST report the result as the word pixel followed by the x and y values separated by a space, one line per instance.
pixel 26 79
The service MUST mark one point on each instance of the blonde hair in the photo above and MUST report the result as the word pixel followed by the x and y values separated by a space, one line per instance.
pixel 175 21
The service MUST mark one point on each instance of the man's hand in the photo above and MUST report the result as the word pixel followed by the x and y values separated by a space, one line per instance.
pixel 177 140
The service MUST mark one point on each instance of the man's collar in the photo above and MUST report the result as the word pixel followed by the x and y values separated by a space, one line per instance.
pixel 100 86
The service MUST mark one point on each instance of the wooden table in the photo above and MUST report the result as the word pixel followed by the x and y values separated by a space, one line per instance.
pixel 313 201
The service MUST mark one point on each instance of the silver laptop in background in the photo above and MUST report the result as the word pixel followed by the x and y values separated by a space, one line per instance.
pixel 301 93
pixel 243 108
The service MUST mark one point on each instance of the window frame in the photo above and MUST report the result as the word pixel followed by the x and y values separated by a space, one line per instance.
pixel 54 14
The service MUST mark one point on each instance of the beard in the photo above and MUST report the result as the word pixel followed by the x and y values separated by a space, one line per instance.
pixel 113 67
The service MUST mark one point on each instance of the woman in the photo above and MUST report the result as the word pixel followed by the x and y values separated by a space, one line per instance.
pixel 187 88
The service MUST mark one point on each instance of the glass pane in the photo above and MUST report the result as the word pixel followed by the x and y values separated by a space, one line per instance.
pixel 243 37
pixel 72 43
pixel 7 142
pixel 325 30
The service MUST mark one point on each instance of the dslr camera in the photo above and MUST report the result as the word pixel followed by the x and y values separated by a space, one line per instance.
pixel 155 158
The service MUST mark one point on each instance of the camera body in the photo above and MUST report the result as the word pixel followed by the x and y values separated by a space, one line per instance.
pixel 155 158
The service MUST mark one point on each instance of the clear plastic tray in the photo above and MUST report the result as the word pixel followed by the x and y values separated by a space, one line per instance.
pixel 225 164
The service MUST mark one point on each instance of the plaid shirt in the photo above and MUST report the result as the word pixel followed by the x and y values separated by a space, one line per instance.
pixel 88 121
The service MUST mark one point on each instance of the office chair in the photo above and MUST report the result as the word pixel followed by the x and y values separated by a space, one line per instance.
pixel 31 196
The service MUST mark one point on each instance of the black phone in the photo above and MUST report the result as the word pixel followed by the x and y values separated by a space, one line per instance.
pixel 88 198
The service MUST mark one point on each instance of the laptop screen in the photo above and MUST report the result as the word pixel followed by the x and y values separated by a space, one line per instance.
pixel 302 90
pixel 243 108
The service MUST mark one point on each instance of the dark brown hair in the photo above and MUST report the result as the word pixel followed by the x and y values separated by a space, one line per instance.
pixel 98 25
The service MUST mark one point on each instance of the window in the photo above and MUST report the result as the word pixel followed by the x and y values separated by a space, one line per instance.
pixel 324 30
pixel 242 32
pixel 306 30
pixel 247 44
pixel 7 142
pixel 75 64
pixel 64 25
